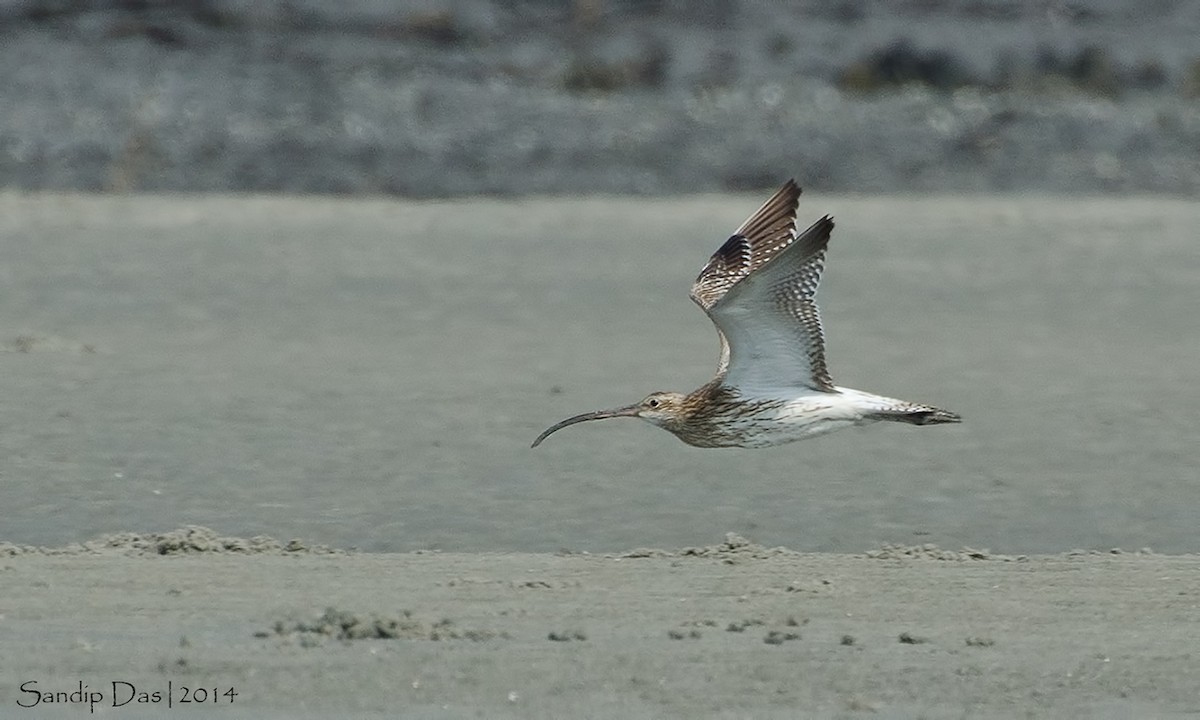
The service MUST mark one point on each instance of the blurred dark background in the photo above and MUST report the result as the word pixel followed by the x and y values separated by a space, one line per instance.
pixel 450 97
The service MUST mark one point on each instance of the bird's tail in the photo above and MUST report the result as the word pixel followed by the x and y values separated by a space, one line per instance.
pixel 877 407
pixel 914 414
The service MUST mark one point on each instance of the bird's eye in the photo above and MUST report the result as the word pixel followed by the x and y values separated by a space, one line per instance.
pixel 652 402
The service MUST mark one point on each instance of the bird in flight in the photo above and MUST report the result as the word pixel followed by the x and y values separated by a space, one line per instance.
pixel 772 385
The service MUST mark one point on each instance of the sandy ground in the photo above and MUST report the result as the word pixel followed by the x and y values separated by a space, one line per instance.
pixel 730 631
pixel 370 373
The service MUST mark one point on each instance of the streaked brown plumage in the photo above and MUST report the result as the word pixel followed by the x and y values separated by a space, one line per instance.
pixel 772 385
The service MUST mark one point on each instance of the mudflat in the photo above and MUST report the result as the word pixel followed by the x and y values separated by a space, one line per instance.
pixel 191 622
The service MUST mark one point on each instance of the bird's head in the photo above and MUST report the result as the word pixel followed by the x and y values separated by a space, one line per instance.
pixel 660 408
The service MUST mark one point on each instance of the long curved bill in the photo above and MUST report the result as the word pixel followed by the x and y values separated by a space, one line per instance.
pixel 627 411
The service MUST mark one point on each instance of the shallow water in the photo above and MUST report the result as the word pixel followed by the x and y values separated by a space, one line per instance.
pixel 371 373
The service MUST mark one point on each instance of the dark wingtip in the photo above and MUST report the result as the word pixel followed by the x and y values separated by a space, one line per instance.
pixel 825 224
pixel 829 224
pixel 815 237
pixel 791 188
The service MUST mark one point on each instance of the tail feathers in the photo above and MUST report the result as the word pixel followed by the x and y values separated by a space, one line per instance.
pixel 918 415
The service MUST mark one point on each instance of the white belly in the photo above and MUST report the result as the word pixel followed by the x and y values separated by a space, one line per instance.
pixel 799 419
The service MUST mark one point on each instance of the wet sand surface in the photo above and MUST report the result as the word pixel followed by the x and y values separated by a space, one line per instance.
pixel 731 630
pixel 370 374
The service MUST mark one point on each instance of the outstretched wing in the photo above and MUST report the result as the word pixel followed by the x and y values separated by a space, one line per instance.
pixel 768 319
pixel 763 236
